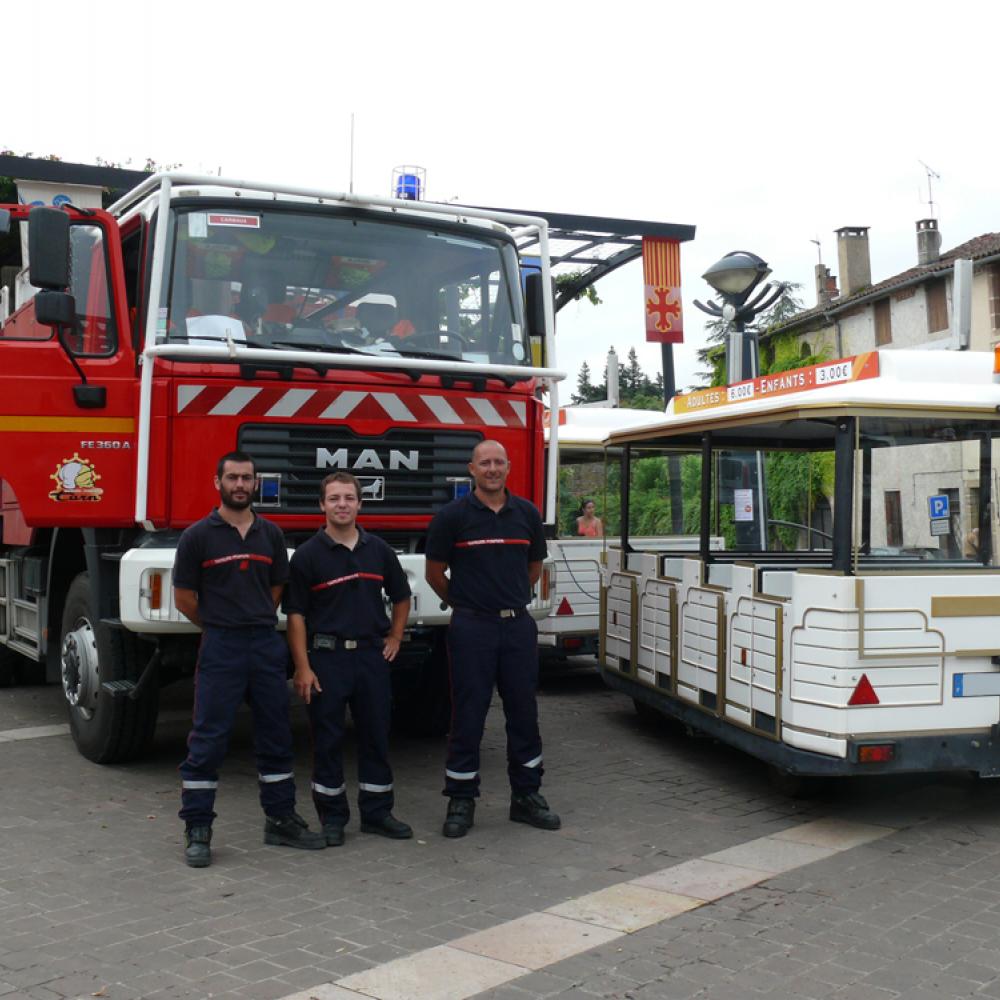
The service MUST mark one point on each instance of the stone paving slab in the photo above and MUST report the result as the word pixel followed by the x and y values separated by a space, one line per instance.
pixel 537 940
pixel 771 854
pixel 702 879
pixel 442 973
pixel 626 907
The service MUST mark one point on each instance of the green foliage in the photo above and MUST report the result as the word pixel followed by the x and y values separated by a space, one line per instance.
pixel 795 483
pixel 568 278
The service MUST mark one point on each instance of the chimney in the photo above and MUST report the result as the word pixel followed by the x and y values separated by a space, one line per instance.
pixel 826 285
pixel 854 258
pixel 928 241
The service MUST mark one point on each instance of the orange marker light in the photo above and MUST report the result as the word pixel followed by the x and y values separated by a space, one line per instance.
pixel 996 363
pixel 155 591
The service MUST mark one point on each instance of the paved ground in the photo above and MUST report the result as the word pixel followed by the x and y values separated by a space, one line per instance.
pixel 95 901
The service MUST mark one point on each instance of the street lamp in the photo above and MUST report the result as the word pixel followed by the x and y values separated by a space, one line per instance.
pixel 735 278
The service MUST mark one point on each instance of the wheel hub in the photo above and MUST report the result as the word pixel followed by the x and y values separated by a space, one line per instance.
pixel 80 669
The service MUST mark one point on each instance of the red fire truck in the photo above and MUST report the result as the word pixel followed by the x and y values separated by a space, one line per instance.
pixel 315 330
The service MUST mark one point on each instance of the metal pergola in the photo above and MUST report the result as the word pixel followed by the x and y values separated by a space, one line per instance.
pixel 592 246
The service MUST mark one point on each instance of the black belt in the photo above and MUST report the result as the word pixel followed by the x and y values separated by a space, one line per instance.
pixel 332 642
pixel 493 615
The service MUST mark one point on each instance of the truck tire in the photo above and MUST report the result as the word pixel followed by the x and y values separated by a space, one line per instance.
pixel 106 729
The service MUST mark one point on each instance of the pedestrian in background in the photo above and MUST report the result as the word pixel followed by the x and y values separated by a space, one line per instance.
pixel 588 524
pixel 229 573
pixel 484 554
pixel 342 643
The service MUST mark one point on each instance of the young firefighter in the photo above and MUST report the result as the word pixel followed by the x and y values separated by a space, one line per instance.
pixel 492 545
pixel 342 643
pixel 229 573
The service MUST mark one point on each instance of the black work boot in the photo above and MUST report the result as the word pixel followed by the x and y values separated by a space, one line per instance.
pixel 461 813
pixel 292 831
pixel 532 808
pixel 333 834
pixel 197 852
pixel 387 826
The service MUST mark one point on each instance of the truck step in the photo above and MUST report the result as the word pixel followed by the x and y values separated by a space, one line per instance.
pixel 119 689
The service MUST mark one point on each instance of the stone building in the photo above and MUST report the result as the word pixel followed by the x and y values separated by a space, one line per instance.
pixel 915 308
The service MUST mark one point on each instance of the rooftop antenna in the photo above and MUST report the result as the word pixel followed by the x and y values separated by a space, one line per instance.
pixel 351 188
pixel 819 249
pixel 930 193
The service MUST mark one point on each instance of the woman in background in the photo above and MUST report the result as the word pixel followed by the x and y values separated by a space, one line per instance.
pixel 588 523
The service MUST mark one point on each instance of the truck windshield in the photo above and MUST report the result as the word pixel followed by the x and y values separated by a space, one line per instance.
pixel 302 279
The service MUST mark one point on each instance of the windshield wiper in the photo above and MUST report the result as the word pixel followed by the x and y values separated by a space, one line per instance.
pixel 329 349
pixel 430 355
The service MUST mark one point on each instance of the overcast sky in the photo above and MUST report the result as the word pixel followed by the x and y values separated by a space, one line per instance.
pixel 765 125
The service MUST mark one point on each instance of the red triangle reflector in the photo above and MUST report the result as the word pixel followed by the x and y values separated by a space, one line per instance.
pixel 564 607
pixel 864 693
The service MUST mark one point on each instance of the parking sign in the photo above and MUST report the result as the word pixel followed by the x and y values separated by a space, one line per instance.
pixel 939 506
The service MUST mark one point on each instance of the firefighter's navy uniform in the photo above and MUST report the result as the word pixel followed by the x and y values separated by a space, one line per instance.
pixel 241 657
pixel 492 640
pixel 338 591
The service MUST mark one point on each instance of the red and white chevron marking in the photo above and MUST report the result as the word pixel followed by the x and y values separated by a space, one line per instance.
pixel 340 404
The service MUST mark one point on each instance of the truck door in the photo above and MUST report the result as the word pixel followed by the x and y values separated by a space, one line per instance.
pixel 67 406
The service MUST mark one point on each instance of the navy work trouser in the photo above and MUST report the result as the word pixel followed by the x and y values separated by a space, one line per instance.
pixel 487 652
pixel 359 678
pixel 236 664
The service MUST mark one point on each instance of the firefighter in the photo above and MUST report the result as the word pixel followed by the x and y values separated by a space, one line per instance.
pixel 229 573
pixel 491 545
pixel 342 643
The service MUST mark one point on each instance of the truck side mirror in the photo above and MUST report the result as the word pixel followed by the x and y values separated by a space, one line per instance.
pixel 534 304
pixel 48 249
pixel 55 308
pixel 4 220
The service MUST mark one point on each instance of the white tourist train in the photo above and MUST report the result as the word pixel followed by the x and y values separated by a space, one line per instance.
pixel 852 623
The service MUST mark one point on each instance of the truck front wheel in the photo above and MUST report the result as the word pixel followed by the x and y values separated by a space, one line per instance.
pixel 106 729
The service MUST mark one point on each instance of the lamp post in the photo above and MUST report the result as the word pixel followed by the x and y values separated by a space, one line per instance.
pixel 736 278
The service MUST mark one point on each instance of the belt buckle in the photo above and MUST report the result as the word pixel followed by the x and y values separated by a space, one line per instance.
pixel 507 612
pixel 324 642
pixel 350 643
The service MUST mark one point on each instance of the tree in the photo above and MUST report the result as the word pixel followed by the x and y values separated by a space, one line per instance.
pixel 586 391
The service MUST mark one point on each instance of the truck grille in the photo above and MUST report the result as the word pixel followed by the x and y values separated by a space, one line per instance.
pixel 413 466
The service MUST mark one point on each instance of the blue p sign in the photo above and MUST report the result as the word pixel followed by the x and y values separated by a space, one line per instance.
pixel 939 506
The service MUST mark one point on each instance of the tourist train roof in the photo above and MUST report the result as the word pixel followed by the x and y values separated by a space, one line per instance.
pixel 928 383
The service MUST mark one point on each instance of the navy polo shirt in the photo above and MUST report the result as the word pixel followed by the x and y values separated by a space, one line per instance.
pixel 339 590
pixel 232 575
pixel 487 552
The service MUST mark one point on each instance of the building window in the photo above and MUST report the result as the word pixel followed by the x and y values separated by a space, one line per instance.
pixel 805 350
pixel 883 323
pixel 893 519
pixel 937 305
